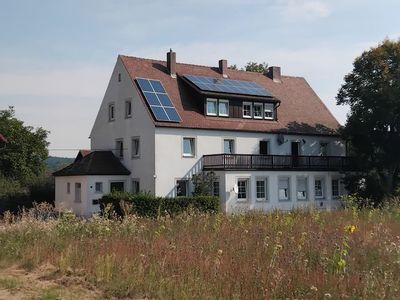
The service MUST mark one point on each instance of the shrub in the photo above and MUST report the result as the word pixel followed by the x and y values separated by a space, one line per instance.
pixel 147 205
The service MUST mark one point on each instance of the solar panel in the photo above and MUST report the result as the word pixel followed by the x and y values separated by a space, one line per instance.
pixel 158 100
pixel 229 86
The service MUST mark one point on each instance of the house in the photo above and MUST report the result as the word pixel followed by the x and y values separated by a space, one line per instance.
pixel 270 140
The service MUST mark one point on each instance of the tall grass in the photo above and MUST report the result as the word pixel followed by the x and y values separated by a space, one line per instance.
pixel 301 254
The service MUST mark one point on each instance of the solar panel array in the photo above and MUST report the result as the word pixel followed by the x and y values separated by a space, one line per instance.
pixel 158 100
pixel 230 86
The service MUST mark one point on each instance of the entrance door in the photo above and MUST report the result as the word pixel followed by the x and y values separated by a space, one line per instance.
pixel 295 154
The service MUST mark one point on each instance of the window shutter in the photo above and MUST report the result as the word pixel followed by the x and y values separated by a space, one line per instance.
pixel 264 147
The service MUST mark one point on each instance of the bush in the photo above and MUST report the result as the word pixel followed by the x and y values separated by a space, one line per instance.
pixel 147 205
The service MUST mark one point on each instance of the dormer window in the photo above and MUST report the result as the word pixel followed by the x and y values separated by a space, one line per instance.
pixel 247 110
pixel 223 108
pixel 211 107
pixel 269 111
pixel 258 111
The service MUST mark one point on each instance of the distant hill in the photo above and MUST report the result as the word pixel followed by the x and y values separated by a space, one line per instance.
pixel 54 163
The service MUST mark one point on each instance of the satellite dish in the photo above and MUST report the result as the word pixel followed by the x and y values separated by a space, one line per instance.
pixel 236 188
pixel 281 139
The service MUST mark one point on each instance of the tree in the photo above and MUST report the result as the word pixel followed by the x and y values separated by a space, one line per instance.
pixel 256 67
pixel 372 90
pixel 23 157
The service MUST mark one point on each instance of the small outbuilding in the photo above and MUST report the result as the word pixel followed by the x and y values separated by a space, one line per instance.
pixel 80 185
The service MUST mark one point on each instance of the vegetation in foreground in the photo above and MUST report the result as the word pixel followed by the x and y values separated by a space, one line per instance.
pixel 302 254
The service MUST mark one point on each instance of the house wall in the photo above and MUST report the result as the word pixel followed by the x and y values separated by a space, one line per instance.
pixel 105 133
pixel 66 201
pixel 232 204
pixel 171 165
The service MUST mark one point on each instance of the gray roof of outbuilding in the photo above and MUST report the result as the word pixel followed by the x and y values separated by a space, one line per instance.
pixel 95 163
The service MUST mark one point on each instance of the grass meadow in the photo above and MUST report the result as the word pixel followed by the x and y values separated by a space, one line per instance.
pixel 349 253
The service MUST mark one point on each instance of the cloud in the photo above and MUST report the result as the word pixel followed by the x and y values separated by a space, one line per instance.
pixel 303 10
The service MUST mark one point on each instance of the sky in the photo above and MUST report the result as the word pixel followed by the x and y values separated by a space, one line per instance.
pixel 56 57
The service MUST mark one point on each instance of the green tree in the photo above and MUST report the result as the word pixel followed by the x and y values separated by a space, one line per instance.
pixel 23 157
pixel 256 67
pixel 372 90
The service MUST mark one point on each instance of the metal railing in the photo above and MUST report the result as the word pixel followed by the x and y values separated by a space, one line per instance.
pixel 275 162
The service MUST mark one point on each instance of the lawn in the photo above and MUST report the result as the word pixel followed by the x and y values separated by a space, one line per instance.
pixel 302 254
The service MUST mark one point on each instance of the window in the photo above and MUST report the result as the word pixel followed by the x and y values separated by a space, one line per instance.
pixel 243 189
pixel 188 147
pixel 98 187
pixel 119 148
pixel 128 109
pixel 215 191
pixel 229 146
pixel 135 147
pixel 117 186
pixel 78 188
pixel 258 110
pixel 111 112
pixel 211 107
pixel 269 111
pixel 135 186
pixel 223 108
pixel 323 149
pixel 302 188
pixel 284 189
pixel 247 110
pixel 319 188
pixel 335 188
pixel 68 188
pixel 264 147
pixel 119 77
pixel 182 187
pixel 261 189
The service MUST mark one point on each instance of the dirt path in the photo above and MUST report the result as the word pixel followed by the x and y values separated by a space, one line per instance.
pixel 44 283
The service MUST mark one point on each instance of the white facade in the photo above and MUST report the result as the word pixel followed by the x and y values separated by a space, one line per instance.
pixel 80 200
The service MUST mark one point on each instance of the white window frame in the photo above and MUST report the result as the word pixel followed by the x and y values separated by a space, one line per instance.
pixel 111 112
pixel 118 149
pixel 128 102
pixel 336 197
pixel 305 178
pixel 133 152
pixel 258 104
pixel 226 102
pixel 288 189
pixel 191 155
pixel 323 188
pixel 216 107
pixel 187 186
pixel 233 145
pixel 95 187
pixel 251 110
pixel 265 180
pixel 134 180
pixel 247 180
pixel 269 110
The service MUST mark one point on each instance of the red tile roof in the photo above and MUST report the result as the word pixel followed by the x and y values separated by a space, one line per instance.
pixel 300 111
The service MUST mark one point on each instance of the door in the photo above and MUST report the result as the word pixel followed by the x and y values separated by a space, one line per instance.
pixel 295 154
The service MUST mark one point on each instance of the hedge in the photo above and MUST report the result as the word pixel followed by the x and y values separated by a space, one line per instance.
pixel 146 205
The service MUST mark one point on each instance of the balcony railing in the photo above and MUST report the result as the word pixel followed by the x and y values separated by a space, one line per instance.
pixel 276 162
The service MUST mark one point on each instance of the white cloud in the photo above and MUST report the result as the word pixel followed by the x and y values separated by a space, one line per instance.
pixel 297 10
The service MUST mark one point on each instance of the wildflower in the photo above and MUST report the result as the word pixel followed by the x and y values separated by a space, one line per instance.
pixel 350 228
pixel 220 251
pixel 327 295
pixel 314 288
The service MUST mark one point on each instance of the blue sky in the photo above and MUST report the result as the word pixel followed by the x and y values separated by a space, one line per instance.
pixel 56 56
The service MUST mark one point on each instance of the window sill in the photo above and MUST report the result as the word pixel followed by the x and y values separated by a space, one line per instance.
pixel 285 200
pixel 128 117
pixel 261 200
pixel 302 200
pixel 212 115
pixel 188 156
pixel 111 120
pixel 246 117
pixel 242 200
pixel 258 118
pixel 135 157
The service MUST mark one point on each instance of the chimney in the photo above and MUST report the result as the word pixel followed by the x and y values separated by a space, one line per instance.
pixel 223 67
pixel 171 63
pixel 275 74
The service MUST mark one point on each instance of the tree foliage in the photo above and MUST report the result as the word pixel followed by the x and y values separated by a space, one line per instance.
pixel 372 90
pixel 256 67
pixel 203 183
pixel 24 155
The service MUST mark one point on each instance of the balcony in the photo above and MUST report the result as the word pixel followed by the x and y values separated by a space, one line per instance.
pixel 276 162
